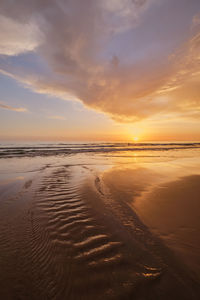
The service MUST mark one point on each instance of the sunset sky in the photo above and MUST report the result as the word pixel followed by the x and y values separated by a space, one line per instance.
pixel 100 70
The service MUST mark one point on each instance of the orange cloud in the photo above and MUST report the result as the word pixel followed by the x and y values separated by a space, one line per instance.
pixel 8 107
pixel 83 64
pixel 56 118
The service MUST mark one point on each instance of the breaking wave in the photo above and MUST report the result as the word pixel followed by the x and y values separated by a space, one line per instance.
pixel 47 149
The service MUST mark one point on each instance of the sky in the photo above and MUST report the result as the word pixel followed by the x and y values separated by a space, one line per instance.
pixel 109 70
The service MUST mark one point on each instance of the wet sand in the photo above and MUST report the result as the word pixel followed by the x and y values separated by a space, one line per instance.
pixel 78 229
pixel 172 211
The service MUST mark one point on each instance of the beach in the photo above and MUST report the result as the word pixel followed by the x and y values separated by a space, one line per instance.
pixel 100 221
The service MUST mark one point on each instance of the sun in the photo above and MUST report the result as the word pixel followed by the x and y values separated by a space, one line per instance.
pixel 135 138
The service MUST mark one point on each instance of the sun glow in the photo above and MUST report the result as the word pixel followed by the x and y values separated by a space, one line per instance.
pixel 135 139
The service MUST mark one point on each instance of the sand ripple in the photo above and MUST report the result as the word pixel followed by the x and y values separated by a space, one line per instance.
pixel 73 250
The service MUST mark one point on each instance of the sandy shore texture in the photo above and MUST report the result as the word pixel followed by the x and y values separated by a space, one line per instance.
pixel 72 232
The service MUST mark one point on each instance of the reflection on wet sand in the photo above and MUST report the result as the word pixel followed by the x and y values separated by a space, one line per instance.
pixel 173 211
pixel 70 232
